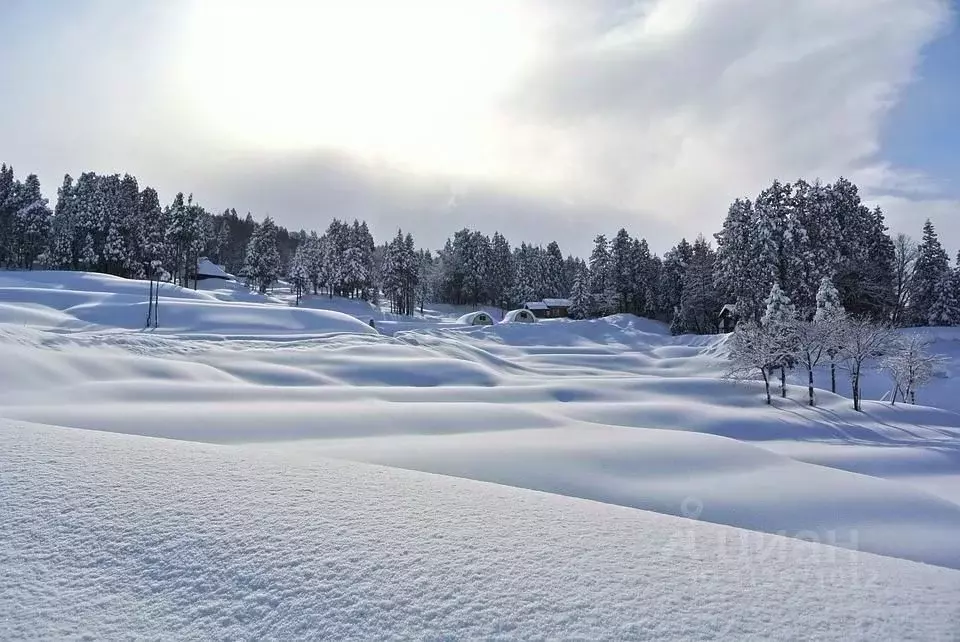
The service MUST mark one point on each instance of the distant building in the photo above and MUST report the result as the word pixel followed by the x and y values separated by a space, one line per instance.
pixel 519 316
pixel 207 269
pixel 549 308
pixel 476 318
pixel 727 319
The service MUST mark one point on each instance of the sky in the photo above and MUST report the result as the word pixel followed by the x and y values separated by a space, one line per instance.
pixel 545 120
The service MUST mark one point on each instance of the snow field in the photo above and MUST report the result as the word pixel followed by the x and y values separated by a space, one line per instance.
pixel 317 477
pixel 112 536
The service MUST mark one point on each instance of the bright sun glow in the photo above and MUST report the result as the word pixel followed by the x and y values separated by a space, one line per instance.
pixel 415 82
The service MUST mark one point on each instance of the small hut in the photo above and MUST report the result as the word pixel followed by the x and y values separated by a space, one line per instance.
pixel 557 308
pixel 519 316
pixel 727 319
pixel 539 308
pixel 476 318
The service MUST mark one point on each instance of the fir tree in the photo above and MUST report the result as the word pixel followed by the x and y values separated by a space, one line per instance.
pixel 931 265
pixel 779 320
pixel 32 224
pixel 945 310
pixel 580 300
pixel 830 316
pixel 263 258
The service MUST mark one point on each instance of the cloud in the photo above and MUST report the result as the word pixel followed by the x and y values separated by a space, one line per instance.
pixel 679 105
pixel 651 114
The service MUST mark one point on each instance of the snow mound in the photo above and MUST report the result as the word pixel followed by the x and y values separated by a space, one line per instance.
pixel 87 301
pixel 113 537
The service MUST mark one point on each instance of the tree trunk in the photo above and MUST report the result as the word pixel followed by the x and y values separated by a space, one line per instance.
pixel 150 305
pixel 783 382
pixel 856 389
pixel 810 386
pixel 766 384
pixel 833 376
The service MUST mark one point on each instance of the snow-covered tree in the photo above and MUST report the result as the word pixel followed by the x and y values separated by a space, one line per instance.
pixel 863 340
pixel 502 271
pixel 300 271
pixel 910 365
pixel 602 287
pixel 780 321
pixel 621 269
pixel 8 212
pixel 699 303
pixel 830 317
pixel 931 264
pixel 752 351
pixel 554 281
pixel 32 223
pixel 671 277
pixel 580 301
pixel 905 258
pixel 263 259
pixel 945 310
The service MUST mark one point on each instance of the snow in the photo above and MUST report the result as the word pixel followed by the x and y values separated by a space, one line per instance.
pixel 86 301
pixel 253 469
pixel 535 305
pixel 206 267
pixel 557 303
pixel 111 536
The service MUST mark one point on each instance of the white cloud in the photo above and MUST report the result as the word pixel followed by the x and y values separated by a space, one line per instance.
pixel 651 115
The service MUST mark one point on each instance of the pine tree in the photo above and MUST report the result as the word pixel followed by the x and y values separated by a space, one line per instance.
pixel 300 271
pixel 602 285
pixel 699 302
pixel 621 269
pixel 945 310
pixel 779 320
pixel 672 274
pixel 554 280
pixel 640 277
pixel 580 300
pixel 931 265
pixel 8 212
pixel 32 223
pixel 263 257
pixel 812 244
pixel 64 249
pixel 830 315
pixel 501 277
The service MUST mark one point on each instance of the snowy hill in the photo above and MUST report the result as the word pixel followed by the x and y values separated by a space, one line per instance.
pixel 260 509
pixel 110 537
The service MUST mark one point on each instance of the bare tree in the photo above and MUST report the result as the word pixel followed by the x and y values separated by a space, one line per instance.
pixel 752 351
pixel 910 366
pixel 814 341
pixel 905 257
pixel 863 340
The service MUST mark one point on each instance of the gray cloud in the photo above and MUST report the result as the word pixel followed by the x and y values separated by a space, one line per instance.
pixel 650 115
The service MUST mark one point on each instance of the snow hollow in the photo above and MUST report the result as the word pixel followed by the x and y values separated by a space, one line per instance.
pixel 253 469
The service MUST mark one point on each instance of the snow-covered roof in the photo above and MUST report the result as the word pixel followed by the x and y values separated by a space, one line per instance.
pixel 206 267
pixel 519 316
pixel 476 318
pixel 558 303
pixel 535 305
pixel 729 307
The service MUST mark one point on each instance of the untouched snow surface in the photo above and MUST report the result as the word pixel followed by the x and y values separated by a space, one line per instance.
pixel 290 495
pixel 110 536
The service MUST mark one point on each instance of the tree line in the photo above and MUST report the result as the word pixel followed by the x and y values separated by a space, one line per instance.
pixel 790 235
